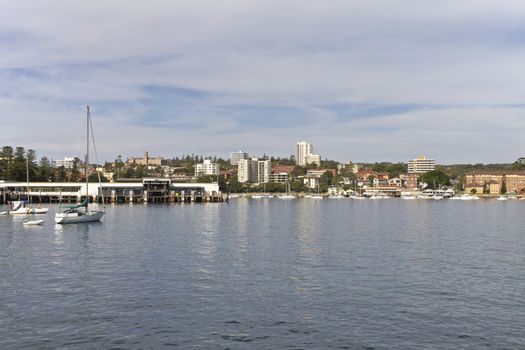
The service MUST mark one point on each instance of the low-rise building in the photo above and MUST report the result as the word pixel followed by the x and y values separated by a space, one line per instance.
pixel 146 160
pixel 281 177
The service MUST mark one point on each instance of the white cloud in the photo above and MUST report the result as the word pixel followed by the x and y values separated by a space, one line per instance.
pixel 463 60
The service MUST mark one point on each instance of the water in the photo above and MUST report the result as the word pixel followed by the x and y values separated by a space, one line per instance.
pixel 269 274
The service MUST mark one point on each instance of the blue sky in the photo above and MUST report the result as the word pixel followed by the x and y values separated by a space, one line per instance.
pixel 362 80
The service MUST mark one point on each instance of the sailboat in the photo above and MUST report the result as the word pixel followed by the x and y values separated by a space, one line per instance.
pixel 81 212
pixel 19 207
pixel 288 194
pixel 262 195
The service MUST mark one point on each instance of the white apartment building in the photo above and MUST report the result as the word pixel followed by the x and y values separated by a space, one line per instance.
pixel 236 156
pixel 67 162
pixel 313 159
pixel 421 165
pixel 206 168
pixel 254 170
pixel 305 154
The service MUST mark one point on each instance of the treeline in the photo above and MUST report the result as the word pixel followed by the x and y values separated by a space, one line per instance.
pixel 13 163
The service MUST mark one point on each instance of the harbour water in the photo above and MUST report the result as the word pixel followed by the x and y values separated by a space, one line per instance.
pixel 269 274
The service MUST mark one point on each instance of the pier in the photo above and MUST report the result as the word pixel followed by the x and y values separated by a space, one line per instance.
pixel 147 190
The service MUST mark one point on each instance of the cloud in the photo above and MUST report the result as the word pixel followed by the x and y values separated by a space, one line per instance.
pixel 364 80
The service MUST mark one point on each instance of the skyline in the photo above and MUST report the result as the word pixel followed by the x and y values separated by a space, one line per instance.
pixel 363 81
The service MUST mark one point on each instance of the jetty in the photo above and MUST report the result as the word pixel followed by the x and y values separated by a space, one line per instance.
pixel 147 190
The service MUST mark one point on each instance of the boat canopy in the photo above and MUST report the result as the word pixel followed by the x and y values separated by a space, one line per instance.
pixel 83 204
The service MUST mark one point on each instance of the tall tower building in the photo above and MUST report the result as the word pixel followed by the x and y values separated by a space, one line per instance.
pixel 236 156
pixel 305 154
pixel 304 149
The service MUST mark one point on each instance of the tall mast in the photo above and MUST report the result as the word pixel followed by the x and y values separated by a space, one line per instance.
pixel 87 155
pixel 27 177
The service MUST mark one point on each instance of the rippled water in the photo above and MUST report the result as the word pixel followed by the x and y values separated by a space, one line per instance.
pixel 269 274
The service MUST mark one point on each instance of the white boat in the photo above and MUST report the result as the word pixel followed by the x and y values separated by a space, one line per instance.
pixel 357 197
pixel 233 196
pixel 437 198
pixel 4 212
pixel 288 194
pixel 19 208
pixel 262 196
pixel 33 222
pixel 336 197
pixel 81 213
pixel 314 196
pixel 502 198
pixel 465 197
pixel 408 197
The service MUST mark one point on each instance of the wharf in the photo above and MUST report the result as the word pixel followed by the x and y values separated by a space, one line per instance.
pixel 153 190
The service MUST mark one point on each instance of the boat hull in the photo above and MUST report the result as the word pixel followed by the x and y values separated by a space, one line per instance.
pixel 29 211
pixel 77 218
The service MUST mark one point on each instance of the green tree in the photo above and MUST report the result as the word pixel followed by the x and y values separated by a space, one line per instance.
pixel 19 164
pixel 6 163
pixel 45 171
pixel 234 185
pixel 74 175
pixel 503 187
pixel 435 178
pixel 326 179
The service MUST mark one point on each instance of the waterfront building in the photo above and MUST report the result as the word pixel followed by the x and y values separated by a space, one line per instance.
pixel 305 154
pixel 521 160
pixel 421 165
pixel 67 162
pixel 514 180
pixel 236 156
pixel 146 160
pixel 254 170
pixel 206 168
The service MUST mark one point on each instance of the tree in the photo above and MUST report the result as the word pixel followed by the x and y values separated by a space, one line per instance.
pixel 435 178
pixel 6 160
pixel 75 173
pixel 326 179
pixel 473 191
pixel 45 171
pixel 503 187
pixel 235 186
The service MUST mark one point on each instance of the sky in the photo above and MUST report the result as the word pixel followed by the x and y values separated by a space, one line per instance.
pixel 363 80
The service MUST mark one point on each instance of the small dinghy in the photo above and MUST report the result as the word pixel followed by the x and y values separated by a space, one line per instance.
pixel 33 222
pixel 3 213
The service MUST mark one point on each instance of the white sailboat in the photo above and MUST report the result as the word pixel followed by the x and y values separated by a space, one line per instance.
pixel 288 194
pixel 81 213
pixel 19 207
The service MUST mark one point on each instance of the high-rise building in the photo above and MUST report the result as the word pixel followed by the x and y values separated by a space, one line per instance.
pixel 236 156
pixel 254 170
pixel 206 168
pixel 305 154
pixel 421 165
pixel 67 163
